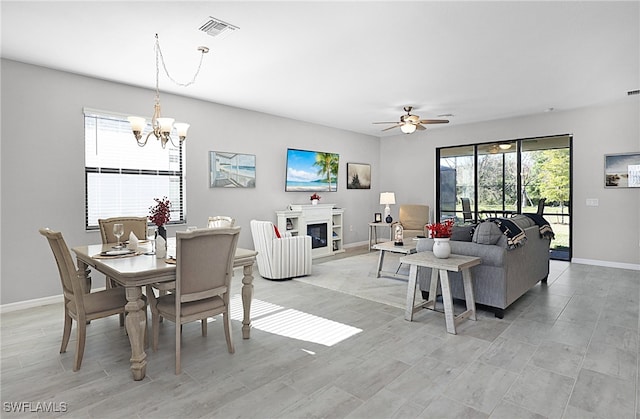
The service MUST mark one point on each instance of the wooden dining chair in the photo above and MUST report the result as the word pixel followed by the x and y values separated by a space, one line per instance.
pixel 79 304
pixel 204 269
pixel 137 225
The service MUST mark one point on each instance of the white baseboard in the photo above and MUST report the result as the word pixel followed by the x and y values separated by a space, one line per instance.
pixel 38 302
pixel 595 262
pixel 356 244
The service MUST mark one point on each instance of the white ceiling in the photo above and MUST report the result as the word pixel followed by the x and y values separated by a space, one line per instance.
pixel 347 64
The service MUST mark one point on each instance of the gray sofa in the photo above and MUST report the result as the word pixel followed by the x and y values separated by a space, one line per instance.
pixel 504 274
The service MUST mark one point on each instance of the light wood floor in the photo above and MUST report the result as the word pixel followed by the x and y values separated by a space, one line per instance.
pixel 569 349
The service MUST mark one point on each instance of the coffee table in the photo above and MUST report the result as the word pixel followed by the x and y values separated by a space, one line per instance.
pixel 408 248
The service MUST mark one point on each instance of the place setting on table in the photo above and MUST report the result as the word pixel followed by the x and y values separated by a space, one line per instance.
pixel 129 248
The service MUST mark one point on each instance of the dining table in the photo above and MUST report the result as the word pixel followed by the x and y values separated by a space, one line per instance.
pixel 138 269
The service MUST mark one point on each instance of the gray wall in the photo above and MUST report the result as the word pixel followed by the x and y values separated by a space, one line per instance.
pixel 607 234
pixel 42 170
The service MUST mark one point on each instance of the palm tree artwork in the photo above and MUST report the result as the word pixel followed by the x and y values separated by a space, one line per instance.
pixel 327 164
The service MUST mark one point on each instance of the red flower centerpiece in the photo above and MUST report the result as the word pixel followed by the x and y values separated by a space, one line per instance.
pixel 315 196
pixel 441 233
pixel 160 215
pixel 441 230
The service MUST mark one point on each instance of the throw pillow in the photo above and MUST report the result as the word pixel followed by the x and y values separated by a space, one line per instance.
pixel 462 233
pixel 487 233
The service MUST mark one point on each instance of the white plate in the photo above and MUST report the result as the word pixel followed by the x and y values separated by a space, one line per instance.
pixel 119 252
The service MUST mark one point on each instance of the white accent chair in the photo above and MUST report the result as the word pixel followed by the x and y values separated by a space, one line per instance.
pixel 280 258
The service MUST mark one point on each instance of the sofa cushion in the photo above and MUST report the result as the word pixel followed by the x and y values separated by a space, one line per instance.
pixel 522 221
pixel 462 233
pixel 486 233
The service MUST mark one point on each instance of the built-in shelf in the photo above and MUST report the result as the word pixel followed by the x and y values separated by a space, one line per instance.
pixel 298 218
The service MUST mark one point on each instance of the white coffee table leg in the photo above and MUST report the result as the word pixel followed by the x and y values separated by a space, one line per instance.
pixel 468 293
pixel 447 299
pixel 411 293
pixel 380 260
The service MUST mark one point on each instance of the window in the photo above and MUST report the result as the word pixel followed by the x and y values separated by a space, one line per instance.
pixel 122 178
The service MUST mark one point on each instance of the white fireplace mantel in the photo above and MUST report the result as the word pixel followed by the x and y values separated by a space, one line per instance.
pixel 296 219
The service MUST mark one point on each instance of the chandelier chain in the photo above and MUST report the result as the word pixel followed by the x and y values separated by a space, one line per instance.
pixel 164 66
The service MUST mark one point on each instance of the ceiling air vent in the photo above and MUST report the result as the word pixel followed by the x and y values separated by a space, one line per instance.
pixel 215 27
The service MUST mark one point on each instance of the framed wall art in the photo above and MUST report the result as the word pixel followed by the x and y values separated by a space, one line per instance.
pixel 358 176
pixel 311 171
pixel 622 170
pixel 232 170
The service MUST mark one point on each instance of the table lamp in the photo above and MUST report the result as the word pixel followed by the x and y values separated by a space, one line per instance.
pixel 387 198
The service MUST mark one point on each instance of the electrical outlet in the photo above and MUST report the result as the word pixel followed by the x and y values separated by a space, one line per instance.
pixel 351 228
pixel 592 202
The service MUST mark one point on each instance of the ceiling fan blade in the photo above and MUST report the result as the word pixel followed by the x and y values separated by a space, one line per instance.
pixel 394 122
pixel 420 127
pixel 395 126
pixel 434 121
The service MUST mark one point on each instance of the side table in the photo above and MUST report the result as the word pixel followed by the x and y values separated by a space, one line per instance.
pixel 373 232
pixel 408 248
pixel 439 272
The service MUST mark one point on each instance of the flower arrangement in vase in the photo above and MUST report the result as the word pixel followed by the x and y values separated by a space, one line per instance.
pixel 160 215
pixel 314 199
pixel 441 234
pixel 441 230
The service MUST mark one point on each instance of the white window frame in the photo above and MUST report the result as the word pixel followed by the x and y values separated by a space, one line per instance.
pixel 125 179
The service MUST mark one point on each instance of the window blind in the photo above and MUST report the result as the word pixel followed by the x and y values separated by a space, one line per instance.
pixel 121 178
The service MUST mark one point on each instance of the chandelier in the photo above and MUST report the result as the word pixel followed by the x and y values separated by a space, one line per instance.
pixel 162 127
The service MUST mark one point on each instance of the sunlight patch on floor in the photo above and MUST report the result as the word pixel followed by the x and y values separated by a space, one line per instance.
pixel 292 323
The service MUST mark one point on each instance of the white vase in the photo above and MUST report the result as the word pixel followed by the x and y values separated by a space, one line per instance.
pixel 441 248
pixel 314 202
pixel 161 247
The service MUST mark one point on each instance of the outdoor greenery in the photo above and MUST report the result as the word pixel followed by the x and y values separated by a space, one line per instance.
pixel 544 174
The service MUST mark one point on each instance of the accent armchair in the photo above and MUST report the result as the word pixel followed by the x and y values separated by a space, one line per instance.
pixel 413 219
pixel 283 257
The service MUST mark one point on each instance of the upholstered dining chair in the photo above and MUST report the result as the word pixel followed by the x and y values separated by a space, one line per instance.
pixel 137 225
pixel 221 221
pixel 204 267
pixel 280 255
pixel 414 218
pixel 79 304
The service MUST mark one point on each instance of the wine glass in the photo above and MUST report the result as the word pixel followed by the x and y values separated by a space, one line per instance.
pixel 118 231
pixel 151 236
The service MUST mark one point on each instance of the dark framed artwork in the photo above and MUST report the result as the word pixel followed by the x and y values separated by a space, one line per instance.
pixel 377 217
pixel 622 170
pixel 232 170
pixel 358 176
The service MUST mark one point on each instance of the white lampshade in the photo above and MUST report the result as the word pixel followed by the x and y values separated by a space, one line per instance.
pixel 165 124
pixel 182 128
pixel 137 123
pixel 387 198
pixel 408 128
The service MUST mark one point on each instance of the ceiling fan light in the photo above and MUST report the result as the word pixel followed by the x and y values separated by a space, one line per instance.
pixel 505 146
pixel 408 128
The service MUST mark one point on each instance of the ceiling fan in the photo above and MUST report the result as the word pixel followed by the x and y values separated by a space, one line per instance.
pixel 409 123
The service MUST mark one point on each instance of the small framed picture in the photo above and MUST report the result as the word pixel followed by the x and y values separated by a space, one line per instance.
pixel 377 217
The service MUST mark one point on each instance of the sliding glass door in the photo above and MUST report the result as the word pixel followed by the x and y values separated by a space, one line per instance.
pixel 481 181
